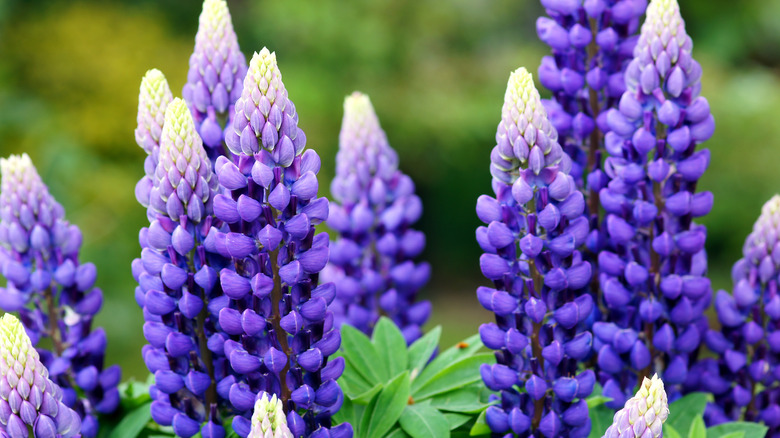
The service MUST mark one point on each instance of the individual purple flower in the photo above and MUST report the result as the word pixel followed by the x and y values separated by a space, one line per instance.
pixel 178 286
pixel 153 99
pixel 644 414
pixel 29 400
pixel 745 378
pixel 279 333
pixel 540 281
pixel 53 292
pixel 592 41
pixel 372 263
pixel 214 81
pixel 653 272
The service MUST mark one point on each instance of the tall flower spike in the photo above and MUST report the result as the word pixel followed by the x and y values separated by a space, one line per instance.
pixel 217 70
pixel 591 42
pixel 53 291
pixel 372 263
pixel 644 414
pixel 653 273
pixel 29 401
pixel 153 100
pixel 282 332
pixel 268 420
pixel 540 282
pixel 749 339
pixel 178 288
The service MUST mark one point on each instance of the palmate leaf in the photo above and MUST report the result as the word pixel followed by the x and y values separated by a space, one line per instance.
pixel 359 352
pixel 133 422
pixel 471 399
pixel 453 354
pixel 698 429
pixel 683 411
pixel 385 408
pixel 456 420
pixel 422 350
pixel 458 374
pixel 424 421
pixel 390 346
pixel 480 427
pixel 728 430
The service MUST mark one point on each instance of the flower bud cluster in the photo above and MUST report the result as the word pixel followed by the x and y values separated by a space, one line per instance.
pixel 278 331
pixel 372 263
pixel 591 42
pixel 178 285
pixel 746 376
pixel 540 281
pixel 217 70
pixel 53 292
pixel 153 100
pixel 29 400
pixel 644 414
pixel 653 273
pixel 268 419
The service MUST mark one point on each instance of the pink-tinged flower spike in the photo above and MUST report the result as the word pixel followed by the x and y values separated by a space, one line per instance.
pixel 540 294
pixel 653 271
pixel 178 288
pixel 53 292
pixel 643 415
pixel 153 100
pixel 214 82
pixel 744 378
pixel 29 400
pixel 372 264
pixel 282 332
pixel 268 419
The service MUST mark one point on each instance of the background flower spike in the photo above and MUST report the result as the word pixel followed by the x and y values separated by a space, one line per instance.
pixel 54 293
pixel 372 261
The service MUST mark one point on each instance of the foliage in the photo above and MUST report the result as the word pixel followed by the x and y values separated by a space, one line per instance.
pixel 390 390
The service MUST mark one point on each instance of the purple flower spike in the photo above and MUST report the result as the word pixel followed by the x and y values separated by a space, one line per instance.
pixel 372 261
pixel 591 42
pixel 749 337
pixel 53 292
pixel 540 293
pixel 217 70
pixel 153 100
pixel 178 290
pixel 29 399
pixel 661 292
pixel 282 332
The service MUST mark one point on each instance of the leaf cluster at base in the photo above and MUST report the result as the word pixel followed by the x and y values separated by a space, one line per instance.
pixel 394 391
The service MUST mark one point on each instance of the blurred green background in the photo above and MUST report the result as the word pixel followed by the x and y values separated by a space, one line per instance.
pixel 436 71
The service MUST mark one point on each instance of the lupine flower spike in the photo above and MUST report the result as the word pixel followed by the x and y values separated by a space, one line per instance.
pixel 745 378
pixel 653 274
pixel 53 292
pixel 281 331
pixel 178 288
pixel 591 42
pixel 29 401
pixel 539 294
pixel 268 420
pixel 643 415
pixel 217 70
pixel 153 100
pixel 372 262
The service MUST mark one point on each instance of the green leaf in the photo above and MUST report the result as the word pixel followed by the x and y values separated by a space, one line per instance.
pixel 683 411
pixel 698 429
pixel 391 347
pixel 352 383
pixel 424 421
pixel 734 435
pixel 751 430
pixel 133 423
pixel 670 432
pixel 422 349
pixel 600 419
pixel 596 400
pixel 480 426
pixel 361 354
pixel 457 352
pixel 456 420
pixel 346 414
pixel 388 408
pixel 365 398
pixel 471 399
pixel 455 376
pixel 368 415
pixel 397 433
